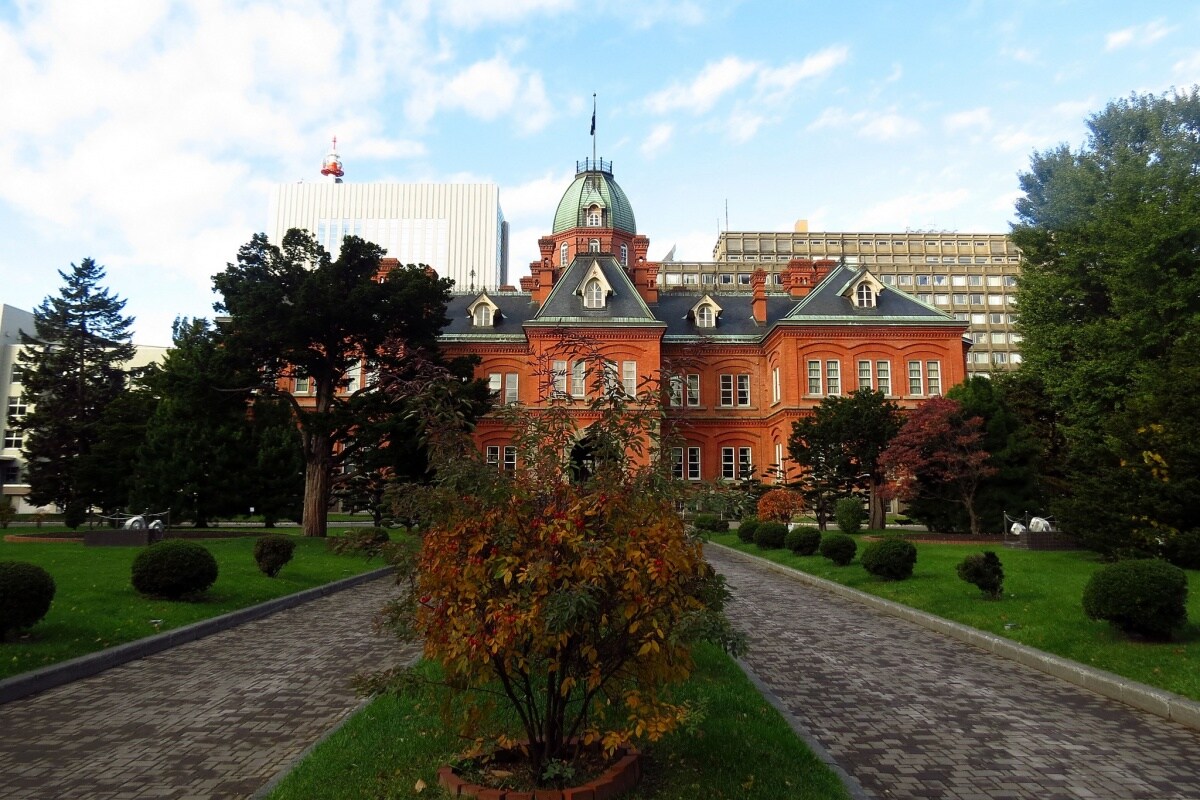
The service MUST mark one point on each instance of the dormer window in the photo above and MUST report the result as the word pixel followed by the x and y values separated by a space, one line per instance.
pixel 593 294
pixel 706 312
pixel 595 217
pixel 483 312
pixel 864 296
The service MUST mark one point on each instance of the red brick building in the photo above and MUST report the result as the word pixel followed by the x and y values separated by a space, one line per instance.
pixel 737 365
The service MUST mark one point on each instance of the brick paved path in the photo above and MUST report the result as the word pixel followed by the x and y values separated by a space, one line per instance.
pixel 217 717
pixel 912 714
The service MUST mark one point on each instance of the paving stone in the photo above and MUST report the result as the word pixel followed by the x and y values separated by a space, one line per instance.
pixel 913 714
pixel 218 717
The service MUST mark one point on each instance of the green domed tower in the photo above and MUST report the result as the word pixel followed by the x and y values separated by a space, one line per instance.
pixel 594 200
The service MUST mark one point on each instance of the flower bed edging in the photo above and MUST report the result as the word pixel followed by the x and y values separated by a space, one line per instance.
pixel 622 776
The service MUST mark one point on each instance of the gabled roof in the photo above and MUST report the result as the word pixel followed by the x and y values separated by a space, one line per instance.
pixel 514 309
pixel 829 303
pixel 564 306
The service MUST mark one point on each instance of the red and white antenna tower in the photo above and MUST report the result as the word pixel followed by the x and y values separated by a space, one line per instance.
pixel 332 166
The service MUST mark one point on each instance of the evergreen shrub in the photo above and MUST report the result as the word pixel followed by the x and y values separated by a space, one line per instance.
pixel 26 591
pixel 803 540
pixel 770 535
pixel 849 514
pixel 892 558
pixel 174 569
pixel 1147 597
pixel 1184 551
pixel 272 552
pixel 710 522
pixel 838 548
pixel 984 571
pixel 746 529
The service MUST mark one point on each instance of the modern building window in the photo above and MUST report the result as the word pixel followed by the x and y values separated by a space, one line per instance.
pixel 958 280
pixel 629 377
pixel 883 377
pixel 1015 358
pixel 976 299
pixel 579 379
pixel 693 390
pixel 624 255
pixel 593 294
pixel 999 337
pixel 814 377
pixel 999 358
pixel 978 319
pixel 959 299
pixel 914 378
pixel 483 315
pixel 904 280
pixel 997 299
pixel 510 458
pixel 725 278
pixel 975 280
pixel 510 388
pixel 833 377
pixel 689 278
pixel 564 251
pixel 941 299
pixel 922 280
pixel 775 385
pixel 559 376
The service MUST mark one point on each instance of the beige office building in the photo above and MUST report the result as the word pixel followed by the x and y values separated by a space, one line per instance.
pixel 970 275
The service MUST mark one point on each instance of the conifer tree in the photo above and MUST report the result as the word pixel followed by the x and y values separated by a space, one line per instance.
pixel 73 362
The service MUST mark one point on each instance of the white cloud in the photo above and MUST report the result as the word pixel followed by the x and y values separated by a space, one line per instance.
pixel 1020 54
pixel 878 125
pixel 477 13
pixel 1138 35
pixel 818 65
pixel 698 97
pixel 966 120
pixel 535 200
pixel 659 136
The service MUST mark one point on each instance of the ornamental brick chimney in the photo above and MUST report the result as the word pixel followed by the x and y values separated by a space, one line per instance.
pixel 758 306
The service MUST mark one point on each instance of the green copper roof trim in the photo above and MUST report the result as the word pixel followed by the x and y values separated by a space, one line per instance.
pixel 594 187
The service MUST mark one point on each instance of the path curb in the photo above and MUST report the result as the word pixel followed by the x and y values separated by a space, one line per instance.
pixel 1159 702
pixel 85 666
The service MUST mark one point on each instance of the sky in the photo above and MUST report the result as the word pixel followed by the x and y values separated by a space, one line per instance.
pixel 147 134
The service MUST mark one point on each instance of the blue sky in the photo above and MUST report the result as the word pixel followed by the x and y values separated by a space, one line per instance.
pixel 148 134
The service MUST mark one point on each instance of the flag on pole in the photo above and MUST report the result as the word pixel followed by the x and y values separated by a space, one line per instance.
pixel 592 132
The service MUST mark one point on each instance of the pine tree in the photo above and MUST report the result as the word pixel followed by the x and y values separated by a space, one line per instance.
pixel 73 370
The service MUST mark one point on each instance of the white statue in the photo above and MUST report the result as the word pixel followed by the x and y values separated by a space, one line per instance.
pixel 137 523
pixel 1017 529
pixel 1040 525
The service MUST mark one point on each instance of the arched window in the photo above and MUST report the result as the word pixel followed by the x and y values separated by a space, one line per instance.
pixel 595 217
pixel 865 295
pixel 594 246
pixel 564 252
pixel 705 318
pixel 593 294
pixel 624 255
pixel 483 315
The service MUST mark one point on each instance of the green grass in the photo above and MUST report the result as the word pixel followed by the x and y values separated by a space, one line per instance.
pixel 1042 606
pixel 95 605
pixel 743 748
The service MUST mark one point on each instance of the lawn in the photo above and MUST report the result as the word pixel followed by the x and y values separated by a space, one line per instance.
pixel 96 607
pixel 743 748
pixel 1042 607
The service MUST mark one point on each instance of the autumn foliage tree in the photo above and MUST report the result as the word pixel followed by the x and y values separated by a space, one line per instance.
pixel 779 505
pixel 938 456
pixel 574 602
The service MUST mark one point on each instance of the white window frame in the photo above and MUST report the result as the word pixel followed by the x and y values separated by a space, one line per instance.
pixel 933 378
pixel 511 388
pixel 629 377
pixel 593 294
pixel 743 391
pixel 775 387
pixel 815 382
pixel 559 377
pixel 916 378
pixel 693 390
pixel 727 395
pixel 579 379
pixel 564 252
pixel 865 380
pixel 833 377
pixel 624 255
pixel 510 458
pixel 483 316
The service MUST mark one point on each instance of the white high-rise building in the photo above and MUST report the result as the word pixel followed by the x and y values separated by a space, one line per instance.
pixel 456 228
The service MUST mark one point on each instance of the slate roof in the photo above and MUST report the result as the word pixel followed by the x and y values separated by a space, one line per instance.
pixel 824 305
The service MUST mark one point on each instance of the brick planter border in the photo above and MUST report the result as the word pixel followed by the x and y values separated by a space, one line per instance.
pixel 622 776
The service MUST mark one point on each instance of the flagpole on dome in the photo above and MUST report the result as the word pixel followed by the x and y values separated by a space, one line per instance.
pixel 593 131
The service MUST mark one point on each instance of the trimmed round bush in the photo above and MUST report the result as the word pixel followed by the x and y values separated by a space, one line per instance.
pixel 1184 552
pixel 770 535
pixel 838 548
pixel 803 540
pixel 710 522
pixel 272 552
pixel 173 569
pixel 891 559
pixel 26 591
pixel 1147 597
pixel 849 514
pixel 984 571
pixel 746 529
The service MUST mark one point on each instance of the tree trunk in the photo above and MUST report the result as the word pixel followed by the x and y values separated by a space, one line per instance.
pixel 878 519
pixel 316 494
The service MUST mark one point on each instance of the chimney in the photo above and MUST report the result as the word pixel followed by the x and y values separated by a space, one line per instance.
pixel 799 276
pixel 821 269
pixel 758 306
pixel 527 283
pixel 386 265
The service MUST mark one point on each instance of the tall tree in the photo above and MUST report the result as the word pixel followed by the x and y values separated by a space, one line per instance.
pixel 297 313
pixel 838 447
pixel 938 456
pixel 73 363
pixel 1110 236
